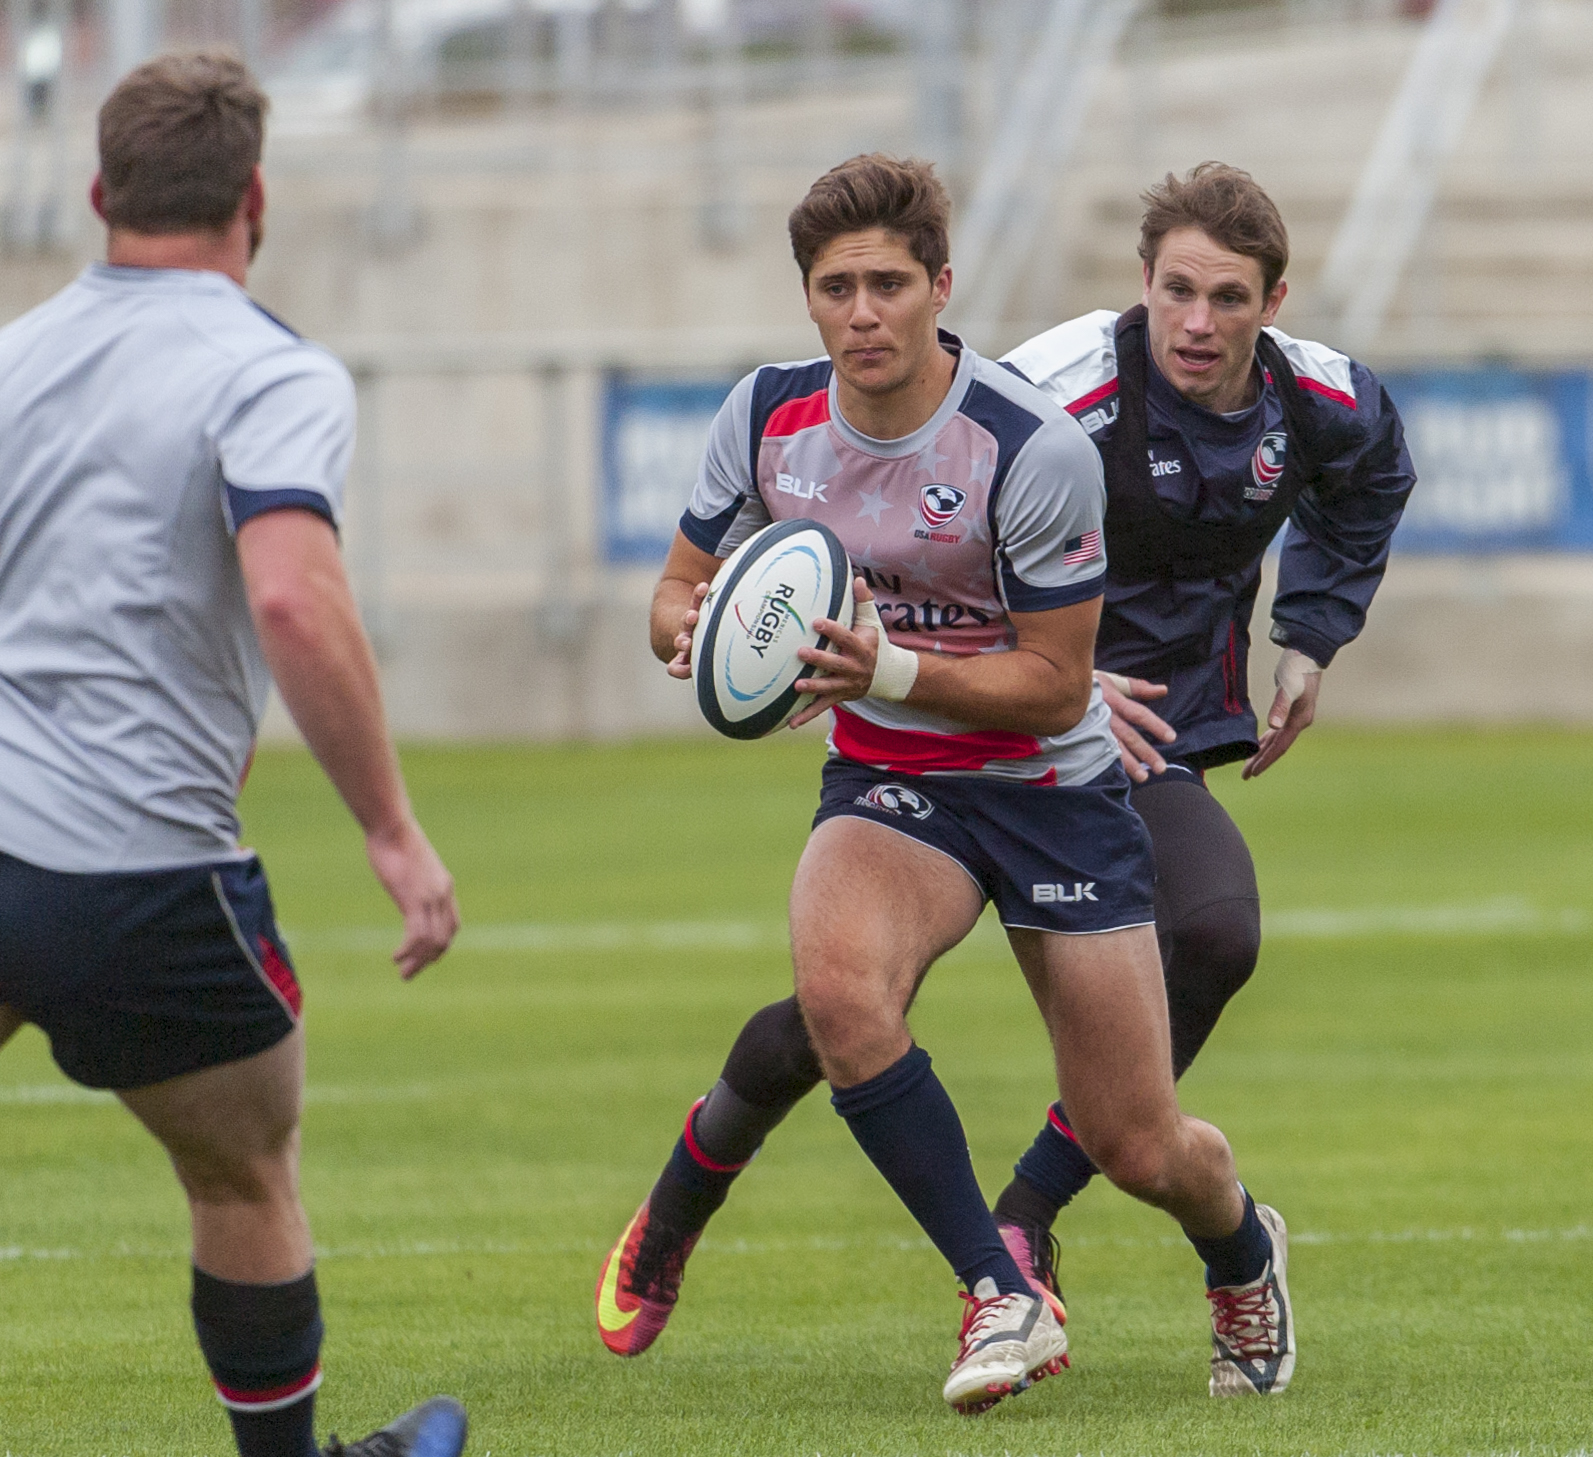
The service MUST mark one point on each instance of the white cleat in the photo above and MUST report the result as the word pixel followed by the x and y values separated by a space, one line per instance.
pixel 1252 1326
pixel 1007 1343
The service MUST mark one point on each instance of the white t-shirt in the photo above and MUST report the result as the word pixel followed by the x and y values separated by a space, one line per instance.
pixel 145 414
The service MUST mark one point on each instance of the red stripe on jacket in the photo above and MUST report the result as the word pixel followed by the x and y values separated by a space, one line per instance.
pixel 795 415
pixel 1094 397
pixel 1318 388
pixel 910 751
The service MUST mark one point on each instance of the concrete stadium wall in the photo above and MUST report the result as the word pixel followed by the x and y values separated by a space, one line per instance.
pixel 547 246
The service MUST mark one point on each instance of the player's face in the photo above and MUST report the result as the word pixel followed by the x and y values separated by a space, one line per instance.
pixel 876 307
pixel 1207 307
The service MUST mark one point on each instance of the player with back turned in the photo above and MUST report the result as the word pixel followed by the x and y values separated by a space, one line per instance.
pixel 1214 428
pixel 172 462
pixel 971 760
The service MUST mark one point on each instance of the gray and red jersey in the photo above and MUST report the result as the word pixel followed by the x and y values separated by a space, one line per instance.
pixel 993 506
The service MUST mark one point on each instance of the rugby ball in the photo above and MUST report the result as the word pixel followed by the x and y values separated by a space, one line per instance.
pixel 759 610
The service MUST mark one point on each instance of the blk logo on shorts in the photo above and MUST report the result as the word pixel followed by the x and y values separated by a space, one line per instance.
pixel 939 505
pixel 1080 890
pixel 1266 466
pixel 897 799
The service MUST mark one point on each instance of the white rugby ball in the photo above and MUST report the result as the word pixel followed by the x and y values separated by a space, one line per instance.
pixel 759 610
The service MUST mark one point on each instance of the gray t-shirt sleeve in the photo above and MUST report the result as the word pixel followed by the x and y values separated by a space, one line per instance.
pixel 288 439
pixel 725 505
pixel 1049 516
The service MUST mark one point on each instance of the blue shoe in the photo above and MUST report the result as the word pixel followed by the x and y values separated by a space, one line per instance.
pixel 435 1428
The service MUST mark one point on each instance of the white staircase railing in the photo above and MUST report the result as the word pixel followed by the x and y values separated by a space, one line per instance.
pixel 1031 147
pixel 1397 186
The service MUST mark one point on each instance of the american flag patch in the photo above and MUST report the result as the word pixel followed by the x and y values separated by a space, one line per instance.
pixel 1084 548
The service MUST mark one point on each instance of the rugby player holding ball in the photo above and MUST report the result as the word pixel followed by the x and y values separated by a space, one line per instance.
pixel 971 759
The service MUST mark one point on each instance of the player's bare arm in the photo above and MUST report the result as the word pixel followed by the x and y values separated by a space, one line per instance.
pixel 681 587
pixel 1041 687
pixel 311 635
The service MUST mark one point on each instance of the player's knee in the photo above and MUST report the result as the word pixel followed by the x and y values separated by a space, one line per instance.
pixel 1137 1161
pixel 773 1062
pixel 261 1169
pixel 1218 946
pixel 842 1011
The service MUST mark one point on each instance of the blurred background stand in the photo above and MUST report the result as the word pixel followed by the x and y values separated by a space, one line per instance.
pixel 548 235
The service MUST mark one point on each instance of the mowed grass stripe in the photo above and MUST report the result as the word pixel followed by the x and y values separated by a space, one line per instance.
pixel 1502 916
pixel 1414 1100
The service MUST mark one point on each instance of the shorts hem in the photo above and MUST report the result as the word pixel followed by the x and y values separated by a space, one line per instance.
pixel 1092 931
pixel 180 1067
pixel 847 814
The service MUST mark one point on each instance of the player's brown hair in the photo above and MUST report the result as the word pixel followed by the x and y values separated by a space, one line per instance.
pixel 1228 206
pixel 874 190
pixel 180 137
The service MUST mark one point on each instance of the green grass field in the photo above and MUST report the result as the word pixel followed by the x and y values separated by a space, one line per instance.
pixel 1409 1078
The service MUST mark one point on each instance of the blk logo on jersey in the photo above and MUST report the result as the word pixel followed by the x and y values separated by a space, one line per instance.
pixel 897 799
pixel 1266 466
pixel 789 485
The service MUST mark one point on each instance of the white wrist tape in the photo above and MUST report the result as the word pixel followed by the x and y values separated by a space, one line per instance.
pixel 1292 671
pixel 895 669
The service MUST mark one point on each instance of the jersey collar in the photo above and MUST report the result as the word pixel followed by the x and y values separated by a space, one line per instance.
pixel 906 445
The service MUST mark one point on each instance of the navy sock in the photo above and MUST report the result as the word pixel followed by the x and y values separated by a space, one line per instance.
pixel 906 1124
pixel 263 1346
pixel 1050 1173
pixel 693 1185
pixel 1237 1258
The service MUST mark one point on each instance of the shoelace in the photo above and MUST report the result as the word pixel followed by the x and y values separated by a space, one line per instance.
pixel 977 1317
pixel 1247 1320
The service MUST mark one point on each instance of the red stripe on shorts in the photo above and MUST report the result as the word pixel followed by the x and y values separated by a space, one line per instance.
pixel 281 976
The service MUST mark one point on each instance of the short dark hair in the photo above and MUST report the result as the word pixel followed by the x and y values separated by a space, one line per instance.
pixel 180 137
pixel 903 196
pixel 1228 206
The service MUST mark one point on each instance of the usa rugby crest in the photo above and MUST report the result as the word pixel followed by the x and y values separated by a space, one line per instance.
pixel 939 505
pixel 1266 465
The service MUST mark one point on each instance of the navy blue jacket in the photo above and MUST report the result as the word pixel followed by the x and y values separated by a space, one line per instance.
pixel 1194 635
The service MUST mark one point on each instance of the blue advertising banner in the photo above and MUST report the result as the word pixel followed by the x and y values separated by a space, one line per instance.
pixel 653 438
pixel 1501 461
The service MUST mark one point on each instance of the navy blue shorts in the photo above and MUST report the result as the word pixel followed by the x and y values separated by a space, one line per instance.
pixel 1071 859
pixel 142 976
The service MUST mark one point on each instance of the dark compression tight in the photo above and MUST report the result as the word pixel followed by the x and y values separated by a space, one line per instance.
pixel 1208 923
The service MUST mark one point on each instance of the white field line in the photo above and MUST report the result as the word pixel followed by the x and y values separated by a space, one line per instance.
pixel 1476 918
pixel 552 936
pixel 816 1244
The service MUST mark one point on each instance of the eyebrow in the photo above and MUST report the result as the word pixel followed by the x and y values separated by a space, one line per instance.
pixel 877 275
pixel 1174 275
